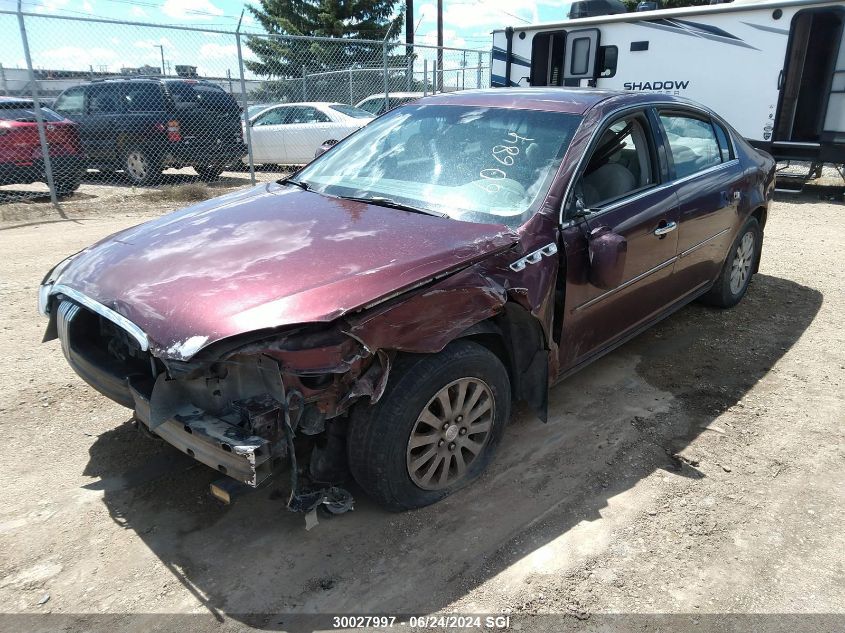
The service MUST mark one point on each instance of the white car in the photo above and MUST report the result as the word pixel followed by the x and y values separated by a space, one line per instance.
pixel 375 103
pixel 291 133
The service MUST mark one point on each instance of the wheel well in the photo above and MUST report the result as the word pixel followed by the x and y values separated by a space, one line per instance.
pixel 516 338
pixel 760 213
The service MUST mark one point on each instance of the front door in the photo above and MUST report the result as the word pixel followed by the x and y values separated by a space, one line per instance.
pixel 621 187
pixel 268 136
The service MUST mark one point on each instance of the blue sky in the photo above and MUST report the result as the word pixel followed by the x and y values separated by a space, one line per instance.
pixel 72 45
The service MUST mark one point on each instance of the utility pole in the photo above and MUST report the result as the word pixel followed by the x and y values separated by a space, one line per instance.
pixel 409 23
pixel 163 68
pixel 439 80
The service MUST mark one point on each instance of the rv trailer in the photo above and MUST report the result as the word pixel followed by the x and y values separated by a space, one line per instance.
pixel 774 70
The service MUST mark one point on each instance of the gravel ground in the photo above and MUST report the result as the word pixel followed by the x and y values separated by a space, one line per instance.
pixel 697 470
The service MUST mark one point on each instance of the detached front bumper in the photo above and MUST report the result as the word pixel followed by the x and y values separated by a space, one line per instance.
pixel 215 442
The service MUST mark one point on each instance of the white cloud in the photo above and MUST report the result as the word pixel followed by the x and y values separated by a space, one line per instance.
pixel 218 51
pixel 162 41
pixel 87 6
pixel 51 6
pixel 78 58
pixel 137 12
pixel 191 9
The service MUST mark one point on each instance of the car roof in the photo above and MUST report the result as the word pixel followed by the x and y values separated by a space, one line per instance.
pixel 20 100
pixel 394 95
pixel 569 100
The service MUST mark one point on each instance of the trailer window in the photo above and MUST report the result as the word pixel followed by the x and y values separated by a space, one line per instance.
pixel 580 62
pixel 692 142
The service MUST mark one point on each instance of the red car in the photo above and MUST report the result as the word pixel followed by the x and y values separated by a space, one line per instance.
pixel 21 158
pixel 385 305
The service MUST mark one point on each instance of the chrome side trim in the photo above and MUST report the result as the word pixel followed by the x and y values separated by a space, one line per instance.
pixel 532 258
pixel 620 287
pixel 700 244
pixel 107 313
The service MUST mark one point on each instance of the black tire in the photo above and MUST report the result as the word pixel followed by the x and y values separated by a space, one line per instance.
pixel 727 292
pixel 140 167
pixel 66 186
pixel 210 172
pixel 378 441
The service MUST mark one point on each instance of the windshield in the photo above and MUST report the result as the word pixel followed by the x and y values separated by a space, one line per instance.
pixel 252 110
pixel 471 163
pixel 348 110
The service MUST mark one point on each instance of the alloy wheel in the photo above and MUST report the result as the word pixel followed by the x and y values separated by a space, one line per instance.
pixel 450 433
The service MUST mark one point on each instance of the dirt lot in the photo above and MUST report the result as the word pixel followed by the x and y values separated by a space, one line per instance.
pixel 698 470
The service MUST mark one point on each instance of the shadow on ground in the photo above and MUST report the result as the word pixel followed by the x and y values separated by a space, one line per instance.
pixel 611 425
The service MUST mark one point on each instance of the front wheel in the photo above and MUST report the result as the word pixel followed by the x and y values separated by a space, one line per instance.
pixel 738 268
pixel 209 172
pixel 435 428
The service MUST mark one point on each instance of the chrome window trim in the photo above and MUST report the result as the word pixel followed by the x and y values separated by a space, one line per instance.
pixel 624 285
pixel 107 313
pixel 599 127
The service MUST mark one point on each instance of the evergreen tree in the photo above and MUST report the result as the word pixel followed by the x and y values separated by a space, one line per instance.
pixel 281 58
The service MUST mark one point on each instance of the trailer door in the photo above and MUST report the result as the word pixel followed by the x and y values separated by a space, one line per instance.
pixel 808 75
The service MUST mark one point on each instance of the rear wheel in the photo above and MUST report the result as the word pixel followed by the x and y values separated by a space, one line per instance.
pixel 738 268
pixel 67 185
pixel 140 168
pixel 435 428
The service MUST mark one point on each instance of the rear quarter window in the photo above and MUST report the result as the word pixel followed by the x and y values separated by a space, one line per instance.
pixel 203 97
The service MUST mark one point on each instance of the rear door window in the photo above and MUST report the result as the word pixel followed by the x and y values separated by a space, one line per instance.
pixel 143 97
pixel 104 99
pixel 692 141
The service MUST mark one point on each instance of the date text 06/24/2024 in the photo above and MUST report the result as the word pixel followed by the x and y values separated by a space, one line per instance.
pixel 423 621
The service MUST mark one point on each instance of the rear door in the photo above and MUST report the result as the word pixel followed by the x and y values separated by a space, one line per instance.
pixel 209 118
pixel 621 186
pixel 709 184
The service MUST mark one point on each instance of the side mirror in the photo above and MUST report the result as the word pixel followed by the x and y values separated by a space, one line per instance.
pixel 324 148
pixel 608 252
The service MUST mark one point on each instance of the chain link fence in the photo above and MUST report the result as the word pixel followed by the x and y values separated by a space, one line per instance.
pixel 91 101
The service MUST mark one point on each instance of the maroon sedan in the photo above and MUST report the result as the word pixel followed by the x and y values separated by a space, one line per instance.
pixel 380 311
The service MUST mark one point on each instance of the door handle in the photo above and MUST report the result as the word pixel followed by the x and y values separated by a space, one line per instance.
pixel 666 228
pixel 780 80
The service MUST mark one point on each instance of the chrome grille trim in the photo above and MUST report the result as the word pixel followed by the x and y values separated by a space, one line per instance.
pixel 66 313
pixel 107 313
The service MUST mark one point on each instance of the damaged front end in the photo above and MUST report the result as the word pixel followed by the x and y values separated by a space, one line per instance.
pixel 236 406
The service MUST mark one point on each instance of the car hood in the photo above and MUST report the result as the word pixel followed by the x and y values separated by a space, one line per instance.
pixel 268 257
